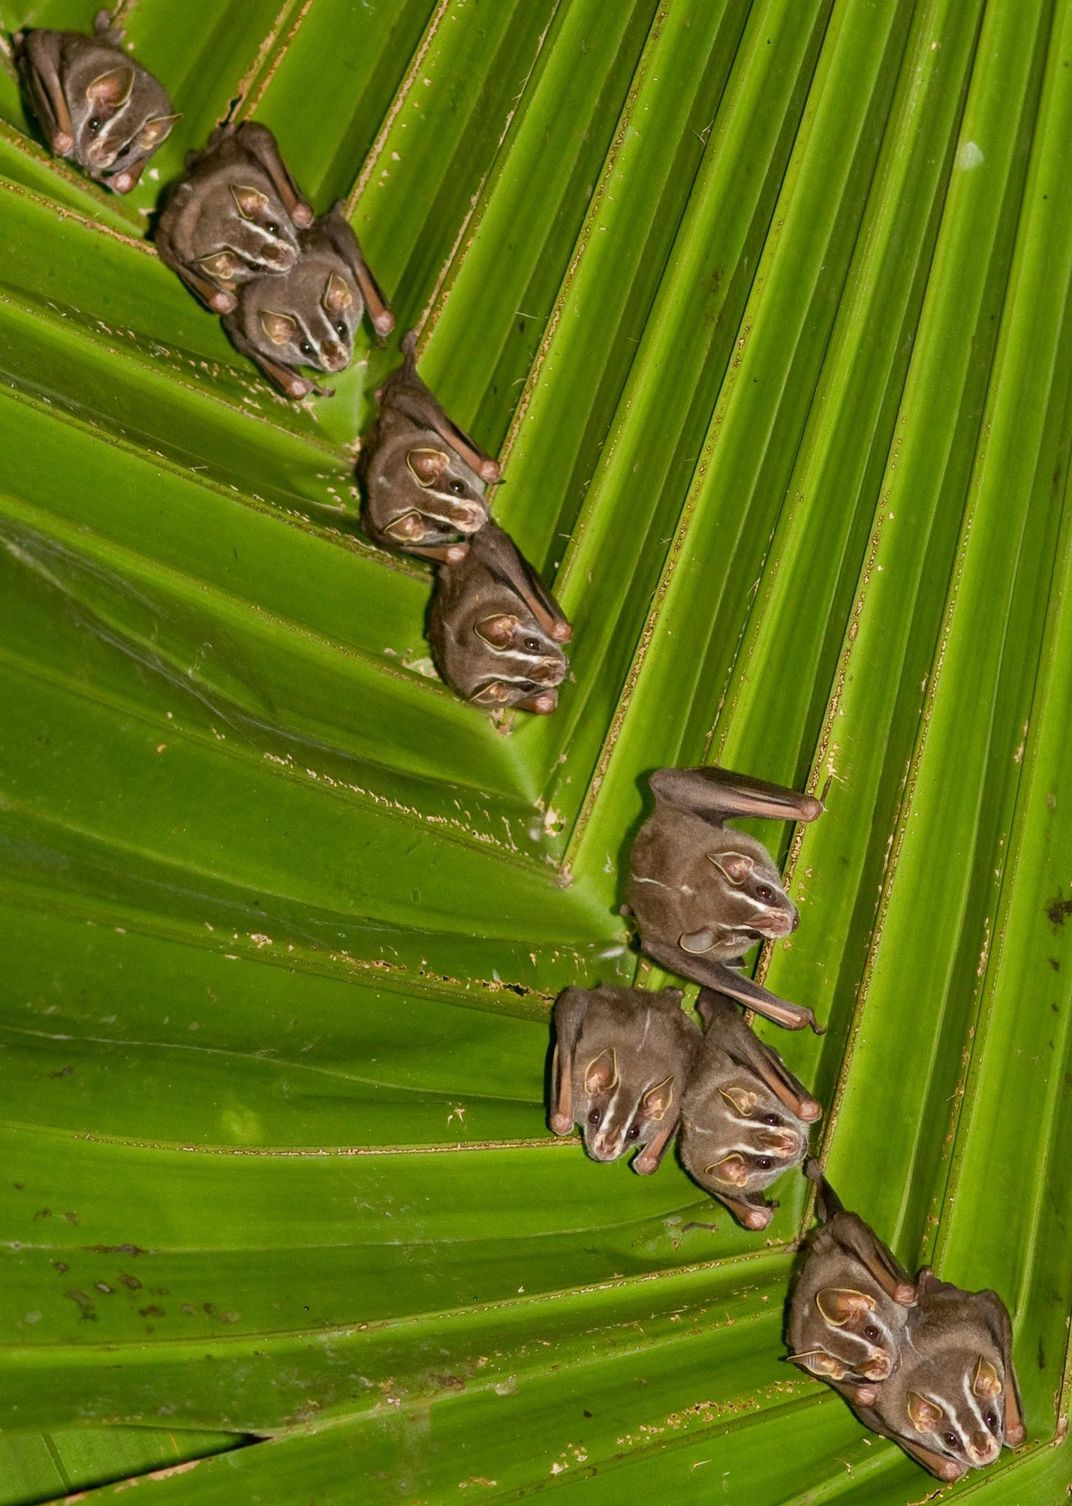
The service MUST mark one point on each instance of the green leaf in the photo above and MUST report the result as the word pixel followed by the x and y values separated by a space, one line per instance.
pixel 766 307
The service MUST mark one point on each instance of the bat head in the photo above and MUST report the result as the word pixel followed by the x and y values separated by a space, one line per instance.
pixel 429 496
pixel 736 1136
pixel 743 895
pixel 253 223
pixel 850 1334
pixel 496 633
pixel 120 114
pixel 954 1404
pixel 622 1112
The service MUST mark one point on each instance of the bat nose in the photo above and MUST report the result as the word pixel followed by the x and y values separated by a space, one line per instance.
pixel 281 256
pixel 604 1148
pixel 982 1447
pixel 548 672
pixel 334 356
pixel 879 1368
pixel 787 1141
pixel 468 516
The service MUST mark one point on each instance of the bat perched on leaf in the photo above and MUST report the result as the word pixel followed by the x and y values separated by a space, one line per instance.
pixel 702 893
pixel 307 315
pixel 953 1401
pixel 94 103
pixel 234 217
pixel 851 1303
pixel 423 478
pixel 496 632
pixel 744 1117
pixel 621 1059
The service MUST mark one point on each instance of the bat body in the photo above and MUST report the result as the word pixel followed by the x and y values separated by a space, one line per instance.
pixel 621 1059
pixel 851 1303
pixel 234 217
pixel 702 893
pixel 423 478
pixel 744 1117
pixel 953 1401
pixel 94 103
pixel 307 315
pixel 496 632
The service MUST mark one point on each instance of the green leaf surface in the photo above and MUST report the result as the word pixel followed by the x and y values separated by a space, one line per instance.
pixel 766 307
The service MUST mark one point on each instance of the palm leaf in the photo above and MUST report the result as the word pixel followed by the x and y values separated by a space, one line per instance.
pixel 766 306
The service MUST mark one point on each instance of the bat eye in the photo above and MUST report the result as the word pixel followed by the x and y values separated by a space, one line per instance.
pixel 272 228
pixel 764 892
pixel 764 1162
pixel 871 1333
pixel 771 1119
pixel 533 645
pixel 952 1440
pixel 991 1420
pixel 93 124
pixel 341 329
pixel 305 348
pixel 593 1117
pixel 632 1132
pixel 456 488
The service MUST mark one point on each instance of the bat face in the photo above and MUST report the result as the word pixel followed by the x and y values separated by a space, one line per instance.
pixel 954 1401
pixel 712 892
pixel 621 1059
pixel 95 104
pixel 738 1134
pixel 496 633
pixel 232 218
pixel 424 478
pixel 844 1325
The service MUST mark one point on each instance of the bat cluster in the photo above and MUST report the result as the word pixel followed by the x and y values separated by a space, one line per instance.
pixel 291 288
pixel 495 630
pixel 922 1363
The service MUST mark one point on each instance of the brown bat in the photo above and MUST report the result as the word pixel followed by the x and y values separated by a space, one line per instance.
pixel 307 316
pixel 953 1401
pixel 94 103
pixel 703 893
pixel 496 632
pixel 621 1059
pixel 234 217
pixel 423 478
pixel 744 1117
pixel 851 1303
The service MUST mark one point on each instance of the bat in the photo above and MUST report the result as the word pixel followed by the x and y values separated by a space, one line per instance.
pixel 234 217
pixel 620 1063
pixel 94 103
pixel 744 1117
pixel 423 478
pixel 954 1400
pixel 307 316
pixel 851 1303
pixel 496 632
pixel 703 893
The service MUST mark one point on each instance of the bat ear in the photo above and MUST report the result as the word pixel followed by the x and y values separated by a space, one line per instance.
pixel 697 942
pixel 156 130
pixel 218 264
pixel 986 1381
pixel 248 200
pixel 427 466
pixel 497 631
pixel 110 90
pixel 601 1073
pixel 280 328
pixel 735 865
pixel 408 527
pixel 839 1304
pixel 742 1099
pixel 657 1100
pixel 820 1363
pixel 731 1171
pixel 337 294
pixel 494 693
pixel 924 1415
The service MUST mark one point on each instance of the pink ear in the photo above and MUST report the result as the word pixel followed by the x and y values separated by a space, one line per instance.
pixel 427 466
pixel 248 200
pixel 154 131
pixel 741 1099
pixel 735 865
pixel 838 1304
pixel 280 328
pixel 730 1171
pixel 498 631
pixel 986 1381
pixel 924 1415
pixel 657 1100
pixel 337 295
pixel 601 1073
pixel 110 90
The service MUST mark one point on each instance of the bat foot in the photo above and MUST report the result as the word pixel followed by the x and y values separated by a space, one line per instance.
pixel 384 323
pixel 865 1396
pixel 560 1124
pixel 488 470
pixel 302 215
pixel 1015 1434
pixel 561 632
pixel 223 303
pixel 810 1110
pixel 62 143
pixel 904 1293
pixel 644 1167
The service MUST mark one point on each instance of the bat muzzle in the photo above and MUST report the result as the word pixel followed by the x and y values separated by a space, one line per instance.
pixel 983 1448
